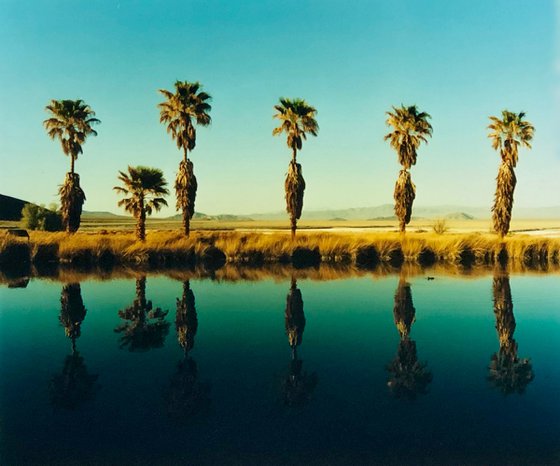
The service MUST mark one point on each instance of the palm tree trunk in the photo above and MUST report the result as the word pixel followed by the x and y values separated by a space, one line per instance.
pixel 294 187
pixel 185 189
pixel 186 222
pixel 72 163
pixel 186 216
pixel 404 195
pixel 294 154
pixel 503 199
pixel 141 290
pixel 141 225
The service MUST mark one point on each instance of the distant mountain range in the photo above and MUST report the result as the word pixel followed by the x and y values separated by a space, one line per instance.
pixel 386 212
pixel 10 209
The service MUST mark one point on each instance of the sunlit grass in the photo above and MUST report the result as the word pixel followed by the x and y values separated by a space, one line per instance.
pixel 166 247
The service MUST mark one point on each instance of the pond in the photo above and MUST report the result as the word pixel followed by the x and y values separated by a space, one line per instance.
pixel 369 369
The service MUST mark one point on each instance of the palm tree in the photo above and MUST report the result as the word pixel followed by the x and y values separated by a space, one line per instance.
pixel 71 122
pixel 144 186
pixel 144 327
pixel 74 385
pixel 408 376
pixel 297 119
pixel 72 311
pixel 507 134
pixel 186 320
pixel 186 396
pixel 410 129
pixel 297 385
pixel 180 111
pixel 507 372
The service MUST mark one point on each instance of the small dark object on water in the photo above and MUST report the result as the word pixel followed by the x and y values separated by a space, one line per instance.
pixel 430 278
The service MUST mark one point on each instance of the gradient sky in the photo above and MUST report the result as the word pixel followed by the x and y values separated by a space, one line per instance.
pixel 459 60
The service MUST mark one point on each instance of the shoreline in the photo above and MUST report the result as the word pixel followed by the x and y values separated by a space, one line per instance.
pixel 212 250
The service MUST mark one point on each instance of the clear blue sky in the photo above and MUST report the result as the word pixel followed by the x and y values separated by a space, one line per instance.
pixel 459 60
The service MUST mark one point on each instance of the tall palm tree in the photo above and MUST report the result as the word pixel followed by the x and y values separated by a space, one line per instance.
pixel 144 186
pixel 186 396
pixel 410 129
pixel 71 122
pixel 297 385
pixel 186 320
pixel 72 311
pixel 74 385
pixel 408 376
pixel 297 119
pixel 507 372
pixel 180 111
pixel 507 134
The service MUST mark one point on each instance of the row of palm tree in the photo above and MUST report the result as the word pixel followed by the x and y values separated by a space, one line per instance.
pixel 72 121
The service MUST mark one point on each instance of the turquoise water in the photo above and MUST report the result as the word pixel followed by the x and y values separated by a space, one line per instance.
pixel 390 370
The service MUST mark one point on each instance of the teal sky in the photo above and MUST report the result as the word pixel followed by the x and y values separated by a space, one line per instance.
pixel 460 61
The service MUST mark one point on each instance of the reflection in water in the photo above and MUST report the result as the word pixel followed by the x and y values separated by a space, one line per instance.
pixel 186 396
pixel 407 376
pixel 72 311
pixel 146 327
pixel 74 385
pixel 298 386
pixel 507 372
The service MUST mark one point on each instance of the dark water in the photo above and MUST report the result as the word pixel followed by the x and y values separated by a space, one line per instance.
pixel 369 370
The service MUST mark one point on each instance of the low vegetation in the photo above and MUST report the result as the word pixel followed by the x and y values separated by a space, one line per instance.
pixel 34 217
pixel 167 249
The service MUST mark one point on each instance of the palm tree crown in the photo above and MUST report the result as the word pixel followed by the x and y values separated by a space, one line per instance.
pixel 144 186
pixel 71 121
pixel 181 109
pixel 410 128
pixel 297 119
pixel 510 132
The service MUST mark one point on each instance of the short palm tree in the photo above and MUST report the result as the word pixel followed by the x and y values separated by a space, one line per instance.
pixel 144 187
pixel 71 122
pixel 180 111
pixel 507 134
pixel 297 119
pixel 410 128
pixel 144 327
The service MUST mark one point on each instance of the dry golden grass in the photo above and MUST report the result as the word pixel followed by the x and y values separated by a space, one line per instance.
pixel 171 248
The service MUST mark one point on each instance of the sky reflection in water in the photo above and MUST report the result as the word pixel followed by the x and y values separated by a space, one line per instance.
pixel 393 369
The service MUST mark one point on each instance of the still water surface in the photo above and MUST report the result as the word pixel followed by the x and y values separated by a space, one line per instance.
pixel 368 370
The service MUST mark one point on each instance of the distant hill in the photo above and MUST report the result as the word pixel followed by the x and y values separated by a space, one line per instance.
pixel 88 214
pixel 219 218
pixel 459 216
pixel 10 207
pixel 386 212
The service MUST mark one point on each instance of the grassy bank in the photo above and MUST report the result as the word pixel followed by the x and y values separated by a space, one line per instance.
pixel 215 249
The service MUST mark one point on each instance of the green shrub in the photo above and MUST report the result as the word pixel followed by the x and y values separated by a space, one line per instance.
pixel 36 217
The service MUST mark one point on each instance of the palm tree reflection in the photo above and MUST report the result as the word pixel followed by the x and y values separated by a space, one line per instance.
pixel 144 327
pixel 507 372
pixel 298 386
pixel 407 376
pixel 74 385
pixel 186 395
